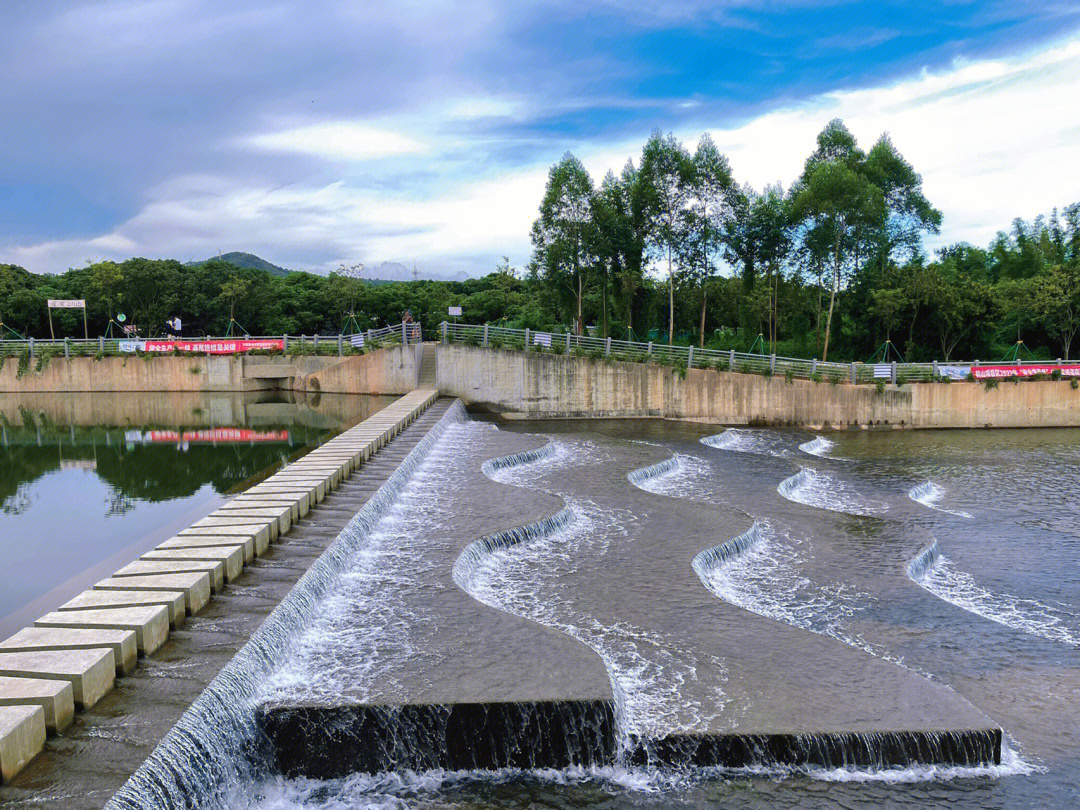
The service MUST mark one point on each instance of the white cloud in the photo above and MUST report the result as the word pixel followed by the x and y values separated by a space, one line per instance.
pixel 340 141
pixel 993 139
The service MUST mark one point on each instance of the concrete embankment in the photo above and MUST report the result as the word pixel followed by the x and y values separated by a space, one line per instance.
pixel 539 385
pixel 392 370
pixel 72 658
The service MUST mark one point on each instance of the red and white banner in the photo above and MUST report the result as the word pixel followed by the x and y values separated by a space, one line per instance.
pixel 1002 372
pixel 225 346
pixel 215 435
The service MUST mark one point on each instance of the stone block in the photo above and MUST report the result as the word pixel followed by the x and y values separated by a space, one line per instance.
pixel 150 623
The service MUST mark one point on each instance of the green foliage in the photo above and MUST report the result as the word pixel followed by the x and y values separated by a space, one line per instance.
pixel 879 386
pixel 816 377
pixel 194 369
pixel 789 376
pixel 23 366
pixel 835 378
pixel 1074 383
pixel 989 384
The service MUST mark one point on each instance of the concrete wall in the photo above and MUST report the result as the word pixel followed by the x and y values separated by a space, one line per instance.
pixel 387 371
pixel 540 385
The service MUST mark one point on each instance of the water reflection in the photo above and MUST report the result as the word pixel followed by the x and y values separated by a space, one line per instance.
pixel 88 481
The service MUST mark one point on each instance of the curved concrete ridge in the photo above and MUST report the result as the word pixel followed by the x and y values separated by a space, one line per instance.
pixel 71 657
pixel 778 713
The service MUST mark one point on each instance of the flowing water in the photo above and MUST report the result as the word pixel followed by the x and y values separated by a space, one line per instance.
pixel 805 542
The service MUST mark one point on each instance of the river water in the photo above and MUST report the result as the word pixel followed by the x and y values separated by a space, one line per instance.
pixel 952 556
pixel 90 481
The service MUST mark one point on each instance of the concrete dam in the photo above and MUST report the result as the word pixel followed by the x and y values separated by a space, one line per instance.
pixel 631 611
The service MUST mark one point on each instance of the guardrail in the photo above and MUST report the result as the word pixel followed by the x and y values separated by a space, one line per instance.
pixel 694 357
pixel 341 344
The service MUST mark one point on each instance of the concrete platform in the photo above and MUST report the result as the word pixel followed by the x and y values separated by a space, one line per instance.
pixel 175 601
pixel 22 736
pixel 245 544
pixel 149 623
pixel 195 586
pixel 231 558
pixel 54 697
pixel 215 569
pixel 258 532
pixel 91 673
pixel 298 507
pixel 224 521
pixel 121 642
pixel 282 515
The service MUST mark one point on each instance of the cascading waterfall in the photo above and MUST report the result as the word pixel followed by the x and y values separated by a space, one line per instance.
pixel 678 476
pixel 820 447
pixel 759 442
pixel 930 494
pixel 215 746
pixel 935 572
pixel 825 491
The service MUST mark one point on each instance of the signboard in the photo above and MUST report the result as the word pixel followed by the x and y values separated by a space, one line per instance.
pixel 357 340
pixel 132 346
pixel 1001 372
pixel 882 371
pixel 542 339
pixel 455 311
pixel 954 372
pixel 223 346
pixel 67 303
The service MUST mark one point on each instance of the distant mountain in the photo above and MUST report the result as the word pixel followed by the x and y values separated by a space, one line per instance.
pixel 249 260
pixel 395 271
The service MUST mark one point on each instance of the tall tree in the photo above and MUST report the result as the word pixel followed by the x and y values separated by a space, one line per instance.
pixel 561 235
pixel 665 169
pixel 838 207
pixel 709 188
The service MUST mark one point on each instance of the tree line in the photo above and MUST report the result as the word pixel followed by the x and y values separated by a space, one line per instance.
pixel 671 249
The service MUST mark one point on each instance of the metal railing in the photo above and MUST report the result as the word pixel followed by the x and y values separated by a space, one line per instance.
pixel 341 344
pixel 694 357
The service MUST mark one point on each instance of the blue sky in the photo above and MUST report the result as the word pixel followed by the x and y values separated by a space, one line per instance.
pixel 320 133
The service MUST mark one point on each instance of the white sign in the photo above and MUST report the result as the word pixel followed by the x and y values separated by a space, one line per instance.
pixel 542 339
pixel 356 340
pixel 132 346
pixel 455 311
pixel 954 372
pixel 882 371
pixel 67 303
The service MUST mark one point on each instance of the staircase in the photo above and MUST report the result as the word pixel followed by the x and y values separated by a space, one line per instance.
pixel 426 377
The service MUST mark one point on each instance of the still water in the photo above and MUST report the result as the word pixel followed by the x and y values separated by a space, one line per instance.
pixel 89 481
pixel 952 555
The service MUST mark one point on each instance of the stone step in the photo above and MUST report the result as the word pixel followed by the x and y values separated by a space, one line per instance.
pixel 195 586
pixel 22 736
pixel 121 642
pixel 214 568
pixel 231 558
pixel 150 623
pixel 175 601
pixel 91 673
pixel 55 697
pixel 246 544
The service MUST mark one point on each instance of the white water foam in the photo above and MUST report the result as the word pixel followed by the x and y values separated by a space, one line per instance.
pixel 820 447
pixel 679 476
pixel 825 491
pixel 647 671
pixel 929 494
pixel 1012 764
pixel 739 440
pixel 935 572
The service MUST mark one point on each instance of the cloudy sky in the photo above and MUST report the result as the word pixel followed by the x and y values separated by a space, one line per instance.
pixel 319 133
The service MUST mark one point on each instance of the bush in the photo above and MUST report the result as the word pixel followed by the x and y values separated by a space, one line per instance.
pixel 24 365
pixel 835 378
pixel 557 347
pixel 879 386
pixel 1055 374
pixel 816 377
pixel 970 377
pixel 990 384
pixel 789 376
pixel 44 356
pixel 195 370
pixel 1074 383
pixel 678 368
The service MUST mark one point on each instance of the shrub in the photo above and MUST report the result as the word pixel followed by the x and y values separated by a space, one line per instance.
pixel 744 368
pixel 816 377
pixel 678 368
pixel 990 384
pixel 557 347
pixel 944 378
pixel 835 378
pixel 970 377
pixel 197 411
pixel 596 354
pixel 195 370
pixel 44 356
pixel 789 376
pixel 1055 374
pixel 879 386
pixel 98 357
pixel 1074 383
pixel 24 365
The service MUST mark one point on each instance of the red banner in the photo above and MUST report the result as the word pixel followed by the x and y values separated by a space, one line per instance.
pixel 240 435
pixel 225 346
pixel 1002 372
